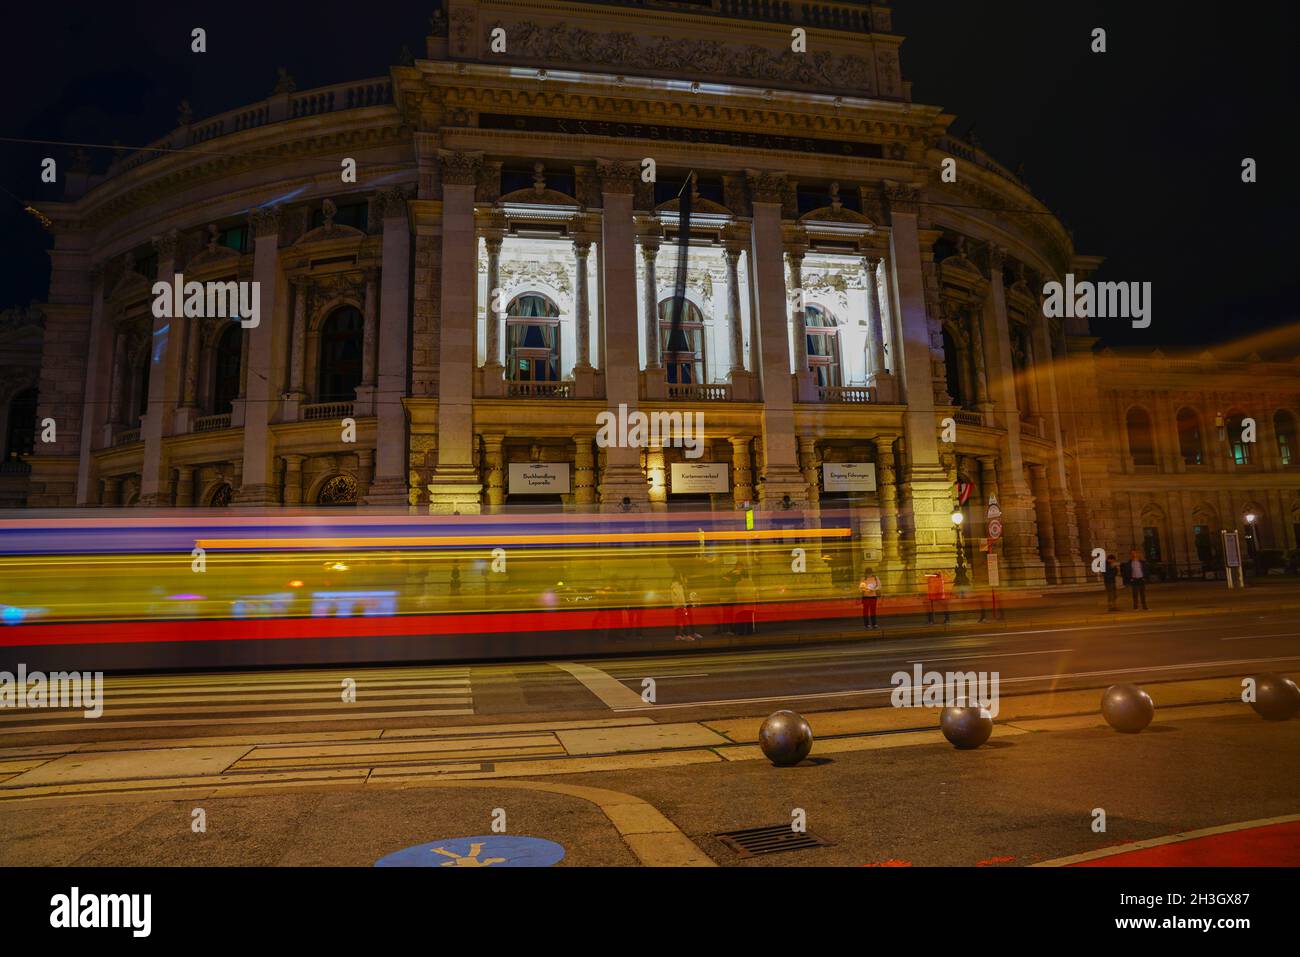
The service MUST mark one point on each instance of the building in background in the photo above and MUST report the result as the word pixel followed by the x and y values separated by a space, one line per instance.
pixel 500 274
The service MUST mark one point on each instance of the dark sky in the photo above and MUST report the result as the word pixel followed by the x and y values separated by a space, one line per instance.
pixel 1138 149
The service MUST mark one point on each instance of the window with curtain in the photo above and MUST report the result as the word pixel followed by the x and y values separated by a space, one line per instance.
pixel 822 337
pixel 682 350
pixel 532 339
pixel 1240 449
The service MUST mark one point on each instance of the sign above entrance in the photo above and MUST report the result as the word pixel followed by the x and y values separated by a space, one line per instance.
pixel 849 477
pixel 539 478
pixel 688 477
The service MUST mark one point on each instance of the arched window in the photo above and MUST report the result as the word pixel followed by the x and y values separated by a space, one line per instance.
pixel 1240 449
pixel 1141 443
pixel 532 339
pixel 823 345
pixel 1189 437
pixel 221 496
pixel 1284 429
pixel 682 349
pixel 339 490
pixel 225 388
pixel 340 356
pixel 21 433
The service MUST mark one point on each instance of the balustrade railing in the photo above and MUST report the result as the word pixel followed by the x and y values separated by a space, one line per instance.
pixel 845 394
pixel 326 410
pixel 546 390
pixel 698 392
pixel 212 423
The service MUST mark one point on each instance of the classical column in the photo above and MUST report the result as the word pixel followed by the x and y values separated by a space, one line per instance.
pixel 879 379
pixel 492 318
pixel 118 387
pixel 581 249
pixel 298 341
pixel 742 480
pixel 264 355
pixel 886 484
pixel 982 402
pixel 649 250
pixel 390 484
pixel 930 495
pixel 770 349
pixel 795 259
pixel 194 349
pixel 164 354
pixel 293 479
pixel 1047 534
pixel 184 486
pixel 494 470
pixel 370 335
pixel 96 400
pixel 1070 563
pixel 657 477
pixel 734 316
pixel 621 475
pixel 455 486
pixel 810 462
pixel 365 472
pixel 584 471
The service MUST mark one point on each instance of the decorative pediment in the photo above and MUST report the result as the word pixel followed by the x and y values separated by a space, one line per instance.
pixel 213 253
pixel 536 197
pixel 698 205
pixel 329 230
pixel 834 214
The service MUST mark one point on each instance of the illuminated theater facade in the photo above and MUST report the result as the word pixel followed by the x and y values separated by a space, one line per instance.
pixel 502 272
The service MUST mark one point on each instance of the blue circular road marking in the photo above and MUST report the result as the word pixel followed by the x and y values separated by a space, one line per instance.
pixel 485 850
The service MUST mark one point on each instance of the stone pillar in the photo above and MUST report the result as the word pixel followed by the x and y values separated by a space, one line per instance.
pixel 930 495
pixel 293 479
pixel 365 472
pixel 805 382
pixel 184 486
pixel 100 374
pixel 886 484
pixel 879 379
pixel 392 354
pixel 264 347
pixel 779 465
pixel 365 401
pixel 621 476
pixel 165 348
pixel 112 491
pixel 494 468
pixel 298 347
pixel 194 351
pixel 650 300
pixel 118 386
pixel 493 367
pixel 584 376
pixel 657 478
pixel 742 481
pixel 982 401
pixel 810 462
pixel 1070 563
pixel 455 486
pixel 741 379
pixel 584 472
pixel 1046 532
pixel 1022 562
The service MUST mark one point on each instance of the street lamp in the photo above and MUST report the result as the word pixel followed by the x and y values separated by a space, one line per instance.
pixel 957 519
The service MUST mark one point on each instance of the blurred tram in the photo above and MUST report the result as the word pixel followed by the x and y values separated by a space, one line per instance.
pixel 130 590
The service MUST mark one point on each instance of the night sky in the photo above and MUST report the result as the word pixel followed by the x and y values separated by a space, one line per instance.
pixel 1138 150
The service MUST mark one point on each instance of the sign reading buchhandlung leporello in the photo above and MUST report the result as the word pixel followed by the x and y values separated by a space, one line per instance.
pixel 688 477
pixel 539 478
pixel 849 477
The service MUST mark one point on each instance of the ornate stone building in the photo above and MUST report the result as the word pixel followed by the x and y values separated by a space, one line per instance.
pixel 501 272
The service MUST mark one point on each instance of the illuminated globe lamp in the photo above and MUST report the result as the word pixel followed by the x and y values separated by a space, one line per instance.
pixel 958 517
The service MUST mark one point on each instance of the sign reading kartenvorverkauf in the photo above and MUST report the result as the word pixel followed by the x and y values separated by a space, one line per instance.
pixel 539 478
pixel 849 477
pixel 697 477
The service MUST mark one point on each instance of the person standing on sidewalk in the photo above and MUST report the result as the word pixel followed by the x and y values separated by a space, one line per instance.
pixel 870 589
pixel 1111 577
pixel 1137 579
pixel 682 609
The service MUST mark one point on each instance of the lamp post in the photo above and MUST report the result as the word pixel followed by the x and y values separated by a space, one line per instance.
pixel 1251 519
pixel 957 519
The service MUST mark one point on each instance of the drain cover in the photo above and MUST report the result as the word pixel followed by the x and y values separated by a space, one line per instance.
pixel 769 840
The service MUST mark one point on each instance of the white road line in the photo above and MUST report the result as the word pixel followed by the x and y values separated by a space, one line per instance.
pixel 1004 681
pixel 607 688
pixel 1008 654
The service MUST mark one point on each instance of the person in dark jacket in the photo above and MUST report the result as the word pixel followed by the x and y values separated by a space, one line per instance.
pixel 1111 577
pixel 1136 577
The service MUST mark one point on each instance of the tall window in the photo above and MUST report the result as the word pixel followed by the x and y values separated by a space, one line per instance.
pixel 1189 436
pixel 823 345
pixel 683 349
pixel 1140 441
pixel 142 383
pixel 21 437
pixel 532 339
pixel 1284 429
pixel 1240 449
pixel 957 368
pixel 226 369
pixel 340 356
